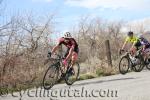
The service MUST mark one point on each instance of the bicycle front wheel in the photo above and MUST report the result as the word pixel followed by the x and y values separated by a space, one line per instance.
pixel 50 77
pixel 124 65
pixel 72 74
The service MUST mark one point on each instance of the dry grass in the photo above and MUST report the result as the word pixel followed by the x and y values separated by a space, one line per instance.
pixel 98 67
pixel 28 68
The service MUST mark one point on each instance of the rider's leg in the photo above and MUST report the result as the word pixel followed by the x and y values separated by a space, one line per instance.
pixel 74 56
pixel 73 60
pixel 65 55
pixel 136 48
pixel 146 54
pixel 133 51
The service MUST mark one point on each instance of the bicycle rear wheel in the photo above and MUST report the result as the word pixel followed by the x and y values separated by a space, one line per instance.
pixel 71 77
pixel 148 66
pixel 50 77
pixel 140 65
pixel 124 65
pixel 138 68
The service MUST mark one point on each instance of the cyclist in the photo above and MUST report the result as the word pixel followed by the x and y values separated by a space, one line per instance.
pixel 145 47
pixel 72 49
pixel 134 40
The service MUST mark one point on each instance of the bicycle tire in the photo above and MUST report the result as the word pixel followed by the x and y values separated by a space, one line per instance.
pixel 128 66
pixel 148 66
pixel 67 80
pixel 52 70
pixel 139 67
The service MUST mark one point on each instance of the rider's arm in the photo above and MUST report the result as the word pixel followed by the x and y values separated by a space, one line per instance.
pixel 132 45
pixel 55 48
pixel 144 46
pixel 124 45
pixel 71 50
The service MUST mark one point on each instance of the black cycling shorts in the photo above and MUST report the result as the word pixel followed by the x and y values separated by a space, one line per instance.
pixel 75 50
pixel 138 44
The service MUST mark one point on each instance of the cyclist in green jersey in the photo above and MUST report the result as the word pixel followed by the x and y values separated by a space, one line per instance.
pixel 132 39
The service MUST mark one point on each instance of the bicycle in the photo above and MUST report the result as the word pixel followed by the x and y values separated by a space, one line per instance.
pixel 136 65
pixel 54 74
pixel 147 61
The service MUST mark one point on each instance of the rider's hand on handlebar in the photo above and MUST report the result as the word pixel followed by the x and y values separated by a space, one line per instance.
pixel 64 62
pixel 120 51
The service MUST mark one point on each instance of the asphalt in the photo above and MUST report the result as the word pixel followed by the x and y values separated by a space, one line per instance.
pixel 132 86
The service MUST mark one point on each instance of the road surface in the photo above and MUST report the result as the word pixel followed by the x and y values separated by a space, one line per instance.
pixel 132 86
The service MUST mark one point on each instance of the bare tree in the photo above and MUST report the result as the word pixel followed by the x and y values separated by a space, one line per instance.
pixel 23 46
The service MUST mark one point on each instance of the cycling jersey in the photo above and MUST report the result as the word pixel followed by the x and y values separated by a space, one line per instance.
pixel 145 42
pixel 132 39
pixel 70 44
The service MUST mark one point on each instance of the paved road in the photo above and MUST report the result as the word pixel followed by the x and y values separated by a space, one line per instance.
pixel 132 86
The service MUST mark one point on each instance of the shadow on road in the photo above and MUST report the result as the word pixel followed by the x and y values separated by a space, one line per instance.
pixel 102 81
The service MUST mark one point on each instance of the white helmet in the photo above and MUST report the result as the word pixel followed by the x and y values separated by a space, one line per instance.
pixel 67 35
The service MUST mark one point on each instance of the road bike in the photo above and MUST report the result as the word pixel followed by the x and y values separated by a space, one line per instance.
pixel 127 62
pixel 55 72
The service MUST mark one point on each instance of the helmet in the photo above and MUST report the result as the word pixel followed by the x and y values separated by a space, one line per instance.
pixel 141 37
pixel 67 35
pixel 130 33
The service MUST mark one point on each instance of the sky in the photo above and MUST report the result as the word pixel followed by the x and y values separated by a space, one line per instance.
pixel 68 12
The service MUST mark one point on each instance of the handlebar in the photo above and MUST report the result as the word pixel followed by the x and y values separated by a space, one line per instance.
pixel 125 51
pixel 122 51
pixel 58 57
